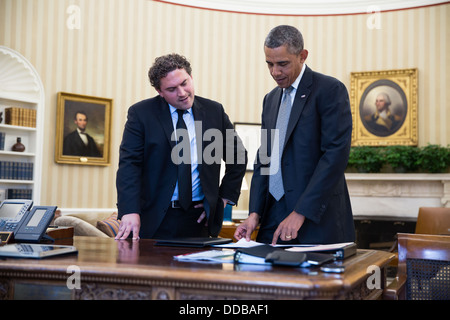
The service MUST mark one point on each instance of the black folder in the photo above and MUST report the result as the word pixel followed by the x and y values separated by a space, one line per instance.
pixel 340 252
pixel 192 242
pixel 344 252
pixel 286 258
pixel 254 255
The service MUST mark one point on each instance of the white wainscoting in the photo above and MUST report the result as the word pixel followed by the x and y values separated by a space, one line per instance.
pixel 397 195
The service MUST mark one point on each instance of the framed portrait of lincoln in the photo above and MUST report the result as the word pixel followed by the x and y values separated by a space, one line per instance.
pixel 83 129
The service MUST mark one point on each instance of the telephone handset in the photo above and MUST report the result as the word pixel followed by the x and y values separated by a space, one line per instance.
pixel 26 223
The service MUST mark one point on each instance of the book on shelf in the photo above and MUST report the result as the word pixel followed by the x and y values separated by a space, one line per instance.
pixel 24 117
pixel 14 170
pixel 19 194
pixel 2 140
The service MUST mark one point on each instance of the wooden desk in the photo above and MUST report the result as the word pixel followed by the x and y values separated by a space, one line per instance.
pixel 112 269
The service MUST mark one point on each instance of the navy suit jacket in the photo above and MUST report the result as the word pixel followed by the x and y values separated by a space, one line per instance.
pixel 314 158
pixel 147 177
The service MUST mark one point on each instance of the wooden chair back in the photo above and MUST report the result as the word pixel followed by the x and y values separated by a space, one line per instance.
pixel 423 267
pixel 433 221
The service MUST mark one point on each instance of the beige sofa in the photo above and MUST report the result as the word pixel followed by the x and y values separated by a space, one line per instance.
pixel 89 224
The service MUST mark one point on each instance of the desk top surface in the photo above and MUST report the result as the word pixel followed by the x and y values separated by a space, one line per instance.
pixel 143 260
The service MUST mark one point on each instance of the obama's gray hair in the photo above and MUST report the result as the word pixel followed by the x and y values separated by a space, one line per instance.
pixel 285 35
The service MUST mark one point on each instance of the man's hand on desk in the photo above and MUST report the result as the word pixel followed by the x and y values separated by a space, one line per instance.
pixel 246 228
pixel 288 228
pixel 130 223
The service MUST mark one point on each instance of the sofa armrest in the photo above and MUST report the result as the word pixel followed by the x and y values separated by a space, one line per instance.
pixel 81 227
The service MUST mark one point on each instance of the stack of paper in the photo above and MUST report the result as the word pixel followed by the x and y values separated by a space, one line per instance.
pixel 243 243
pixel 221 256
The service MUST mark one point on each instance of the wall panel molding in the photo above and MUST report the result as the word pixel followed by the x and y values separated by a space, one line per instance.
pixel 304 7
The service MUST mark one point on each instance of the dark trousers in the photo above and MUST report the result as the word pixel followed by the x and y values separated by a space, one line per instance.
pixel 272 218
pixel 180 223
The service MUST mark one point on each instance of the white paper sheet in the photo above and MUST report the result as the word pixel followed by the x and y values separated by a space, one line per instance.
pixel 243 243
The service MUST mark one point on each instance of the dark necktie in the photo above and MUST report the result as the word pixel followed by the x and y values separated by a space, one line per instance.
pixel 184 169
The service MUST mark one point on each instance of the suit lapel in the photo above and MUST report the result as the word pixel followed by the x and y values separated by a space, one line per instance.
pixel 273 112
pixel 300 99
pixel 200 126
pixel 199 115
pixel 165 119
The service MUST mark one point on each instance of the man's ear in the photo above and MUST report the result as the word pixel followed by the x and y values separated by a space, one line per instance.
pixel 303 55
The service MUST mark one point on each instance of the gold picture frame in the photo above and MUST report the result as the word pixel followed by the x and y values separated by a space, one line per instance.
pixel 93 116
pixel 374 124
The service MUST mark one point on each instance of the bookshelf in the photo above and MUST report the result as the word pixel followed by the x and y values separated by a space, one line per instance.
pixel 21 116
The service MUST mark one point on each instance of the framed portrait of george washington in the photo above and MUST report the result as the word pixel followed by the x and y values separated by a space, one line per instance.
pixel 384 107
pixel 83 129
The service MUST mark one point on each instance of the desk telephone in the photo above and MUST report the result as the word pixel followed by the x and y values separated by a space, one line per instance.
pixel 25 222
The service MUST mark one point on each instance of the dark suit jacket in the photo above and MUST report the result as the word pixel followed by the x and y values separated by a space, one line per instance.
pixel 314 158
pixel 146 177
pixel 74 146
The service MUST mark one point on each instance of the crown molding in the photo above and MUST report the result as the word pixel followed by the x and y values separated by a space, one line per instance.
pixel 304 7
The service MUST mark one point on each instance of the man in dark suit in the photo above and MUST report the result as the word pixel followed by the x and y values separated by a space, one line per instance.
pixel 165 136
pixel 300 195
pixel 78 142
